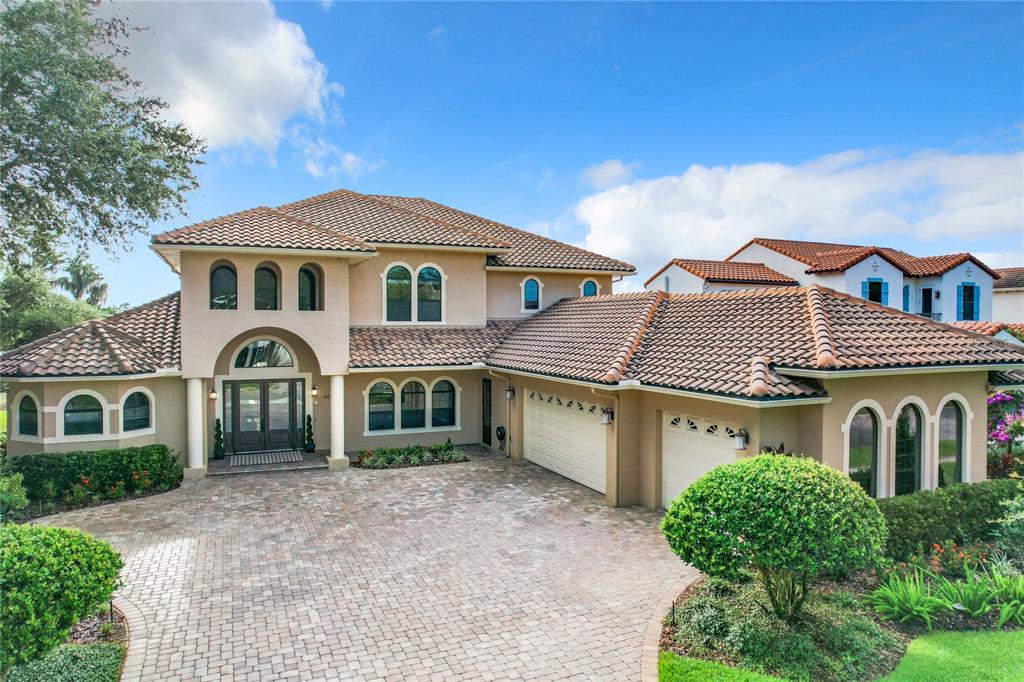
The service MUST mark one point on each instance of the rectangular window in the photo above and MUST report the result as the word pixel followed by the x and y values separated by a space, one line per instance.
pixel 970 305
pixel 875 291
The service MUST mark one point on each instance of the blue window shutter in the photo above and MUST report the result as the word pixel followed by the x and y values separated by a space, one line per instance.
pixel 959 301
pixel 885 293
pixel 864 290
pixel 906 298
pixel 977 302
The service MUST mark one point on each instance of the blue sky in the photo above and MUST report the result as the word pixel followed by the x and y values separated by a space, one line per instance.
pixel 700 124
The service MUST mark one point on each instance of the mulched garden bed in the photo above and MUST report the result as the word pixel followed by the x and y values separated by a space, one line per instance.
pixel 92 629
pixel 38 510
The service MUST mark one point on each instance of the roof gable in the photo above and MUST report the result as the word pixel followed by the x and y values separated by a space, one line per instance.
pixel 726 272
pixel 1009 278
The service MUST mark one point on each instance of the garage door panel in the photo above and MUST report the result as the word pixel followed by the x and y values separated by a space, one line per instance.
pixel 691 446
pixel 565 436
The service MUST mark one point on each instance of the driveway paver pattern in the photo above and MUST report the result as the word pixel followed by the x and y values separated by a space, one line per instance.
pixel 485 570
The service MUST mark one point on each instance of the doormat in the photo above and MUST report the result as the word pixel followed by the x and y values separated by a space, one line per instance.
pixel 275 457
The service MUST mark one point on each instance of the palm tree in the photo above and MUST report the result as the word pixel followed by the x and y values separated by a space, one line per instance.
pixel 83 281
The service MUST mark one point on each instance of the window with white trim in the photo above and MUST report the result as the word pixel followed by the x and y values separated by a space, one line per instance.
pixel 137 412
pixel 83 415
pixel 589 287
pixel 863 463
pixel 380 403
pixel 951 444
pixel 531 294
pixel 28 417
pixel 414 405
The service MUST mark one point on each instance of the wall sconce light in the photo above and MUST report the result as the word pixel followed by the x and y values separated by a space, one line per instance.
pixel 314 391
pixel 741 439
pixel 607 415
pixel 510 393
pixel 213 394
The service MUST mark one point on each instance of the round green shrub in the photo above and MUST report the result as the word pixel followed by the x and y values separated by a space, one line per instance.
pixel 50 578
pixel 789 519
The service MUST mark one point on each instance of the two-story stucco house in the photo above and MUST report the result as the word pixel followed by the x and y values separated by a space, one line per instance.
pixel 953 287
pixel 1008 296
pixel 396 320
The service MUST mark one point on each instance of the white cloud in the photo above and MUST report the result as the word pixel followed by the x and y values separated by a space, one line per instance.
pixel 435 33
pixel 541 227
pixel 947 202
pixel 325 159
pixel 233 72
pixel 609 173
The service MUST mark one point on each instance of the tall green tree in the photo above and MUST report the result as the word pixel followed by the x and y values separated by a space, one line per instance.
pixel 85 155
pixel 30 309
pixel 83 281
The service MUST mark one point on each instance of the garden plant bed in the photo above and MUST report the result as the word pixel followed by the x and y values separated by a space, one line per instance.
pixel 410 456
pixel 40 509
pixel 93 653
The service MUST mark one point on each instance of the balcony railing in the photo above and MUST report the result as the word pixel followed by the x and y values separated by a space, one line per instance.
pixel 931 316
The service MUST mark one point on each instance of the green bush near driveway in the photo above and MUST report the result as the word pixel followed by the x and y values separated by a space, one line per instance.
pixel 411 456
pixel 956 656
pixel 97 662
pixel 964 512
pixel 99 474
pixel 50 578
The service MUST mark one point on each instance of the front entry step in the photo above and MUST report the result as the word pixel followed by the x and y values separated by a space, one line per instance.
pixel 268 457
pixel 255 462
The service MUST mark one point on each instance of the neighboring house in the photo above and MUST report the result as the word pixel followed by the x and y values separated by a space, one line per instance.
pixel 1002 331
pixel 943 288
pixel 1008 295
pixel 393 320
pixel 691 276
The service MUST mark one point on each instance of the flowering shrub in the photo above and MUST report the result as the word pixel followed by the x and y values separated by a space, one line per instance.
pixel 947 559
pixel 1005 429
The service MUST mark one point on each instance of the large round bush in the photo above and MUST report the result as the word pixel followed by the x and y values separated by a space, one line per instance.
pixel 50 578
pixel 789 519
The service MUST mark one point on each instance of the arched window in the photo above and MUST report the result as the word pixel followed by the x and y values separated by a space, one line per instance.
pixel 531 294
pixel 589 288
pixel 381 407
pixel 267 294
pixel 309 288
pixel 428 295
pixel 863 436
pixel 83 415
pixel 223 288
pixel 414 406
pixel 399 294
pixel 263 353
pixel 28 417
pixel 442 404
pixel 136 412
pixel 951 444
pixel 909 433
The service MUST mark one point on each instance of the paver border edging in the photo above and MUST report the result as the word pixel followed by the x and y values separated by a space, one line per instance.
pixel 138 636
pixel 652 636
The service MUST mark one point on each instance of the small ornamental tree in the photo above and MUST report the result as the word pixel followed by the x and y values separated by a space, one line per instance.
pixel 218 440
pixel 310 443
pixel 790 520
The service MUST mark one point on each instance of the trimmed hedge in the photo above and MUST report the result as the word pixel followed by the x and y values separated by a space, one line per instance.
pixel 964 512
pixel 50 579
pixel 103 474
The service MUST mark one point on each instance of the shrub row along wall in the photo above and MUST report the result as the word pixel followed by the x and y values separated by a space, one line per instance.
pixel 137 470
pixel 964 512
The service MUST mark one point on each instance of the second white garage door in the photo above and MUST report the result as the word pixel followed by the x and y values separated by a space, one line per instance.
pixel 566 436
pixel 691 447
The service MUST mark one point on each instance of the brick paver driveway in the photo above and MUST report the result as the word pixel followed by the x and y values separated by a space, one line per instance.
pixel 479 571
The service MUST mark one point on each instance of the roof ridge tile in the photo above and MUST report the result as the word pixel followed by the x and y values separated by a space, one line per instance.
pixel 825 349
pixel 760 370
pixel 621 361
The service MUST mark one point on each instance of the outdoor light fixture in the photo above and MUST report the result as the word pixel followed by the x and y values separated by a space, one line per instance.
pixel 510 393
pixel 607 414
pixel 741 439
pixel 314 391
pixel 213 394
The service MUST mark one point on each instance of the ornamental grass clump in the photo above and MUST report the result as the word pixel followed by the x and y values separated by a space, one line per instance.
pixel 789 520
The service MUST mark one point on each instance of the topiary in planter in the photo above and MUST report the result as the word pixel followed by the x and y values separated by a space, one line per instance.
pixel 789 520
pixel 218 440
pixel 50 578
pixel 310 444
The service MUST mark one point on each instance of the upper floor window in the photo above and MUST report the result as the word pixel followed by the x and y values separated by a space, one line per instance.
pixel 263 353
pixel 863 464
pixel 223 288
pixel 875 289
pixel 83 415
pixel 28 417
pixel 951 444
pixel 136 413
pixel 906 298
pixel 589 288
pixel 310 296
pixel 968 299
pixel 428 295
pixel 398 290
pixel 531 294
pixel 267 293
pixel 909 435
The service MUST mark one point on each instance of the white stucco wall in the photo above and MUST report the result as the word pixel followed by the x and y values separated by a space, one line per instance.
pixel 1008 305
pixel 966 272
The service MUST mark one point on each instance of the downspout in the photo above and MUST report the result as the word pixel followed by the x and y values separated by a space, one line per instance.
pixel 615 437
pixel 508 410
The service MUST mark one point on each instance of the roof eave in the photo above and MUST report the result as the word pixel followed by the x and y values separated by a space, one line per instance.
pixel 573 271
pixel 894 370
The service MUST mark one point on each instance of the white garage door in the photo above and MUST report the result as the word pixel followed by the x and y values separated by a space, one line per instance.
pixel 691 447
pixel 566 436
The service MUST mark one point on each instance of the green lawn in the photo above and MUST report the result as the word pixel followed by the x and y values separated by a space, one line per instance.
pixel 935 657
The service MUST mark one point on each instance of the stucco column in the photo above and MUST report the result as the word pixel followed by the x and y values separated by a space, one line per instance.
pixel 194 419
pixel 337 460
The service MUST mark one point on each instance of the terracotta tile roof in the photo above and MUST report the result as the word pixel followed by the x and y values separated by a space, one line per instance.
pixel 261 227
pixel 829 257
pixel 1009 278
pixel 370 219
pixel 725 271
pixel 423 346
pixel 591 339
pixel 989 328
pixel 1006 379
pixel 137 341
pixel 528 250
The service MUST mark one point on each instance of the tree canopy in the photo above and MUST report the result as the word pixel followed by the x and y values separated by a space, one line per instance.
pixel 30 309
pixel 85 154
